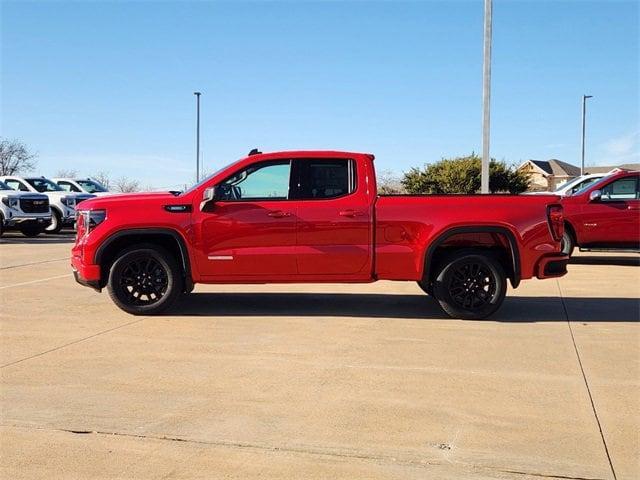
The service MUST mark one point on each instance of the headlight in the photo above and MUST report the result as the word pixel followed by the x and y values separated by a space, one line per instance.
pixel 90 219
pixel 11 202
pixel 69 201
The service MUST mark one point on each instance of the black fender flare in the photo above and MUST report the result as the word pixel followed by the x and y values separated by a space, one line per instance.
pixel 184 252
pixel 513 247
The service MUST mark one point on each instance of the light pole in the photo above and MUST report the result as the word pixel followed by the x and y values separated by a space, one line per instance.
pixel 197 94
pixel 486 97
pixel 584 118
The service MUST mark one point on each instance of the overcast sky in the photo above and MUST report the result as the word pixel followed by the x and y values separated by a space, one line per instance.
pixel 109 86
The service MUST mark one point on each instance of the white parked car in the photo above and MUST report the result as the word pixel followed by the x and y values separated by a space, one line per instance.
pixel 572 186
pixel 63 204
pixel 27 212
pixel 82 185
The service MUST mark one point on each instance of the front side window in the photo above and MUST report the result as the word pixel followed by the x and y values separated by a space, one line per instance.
pixel 91 187
pixel 43 185
pixel 325 179
pixel 261 181
pixel 623 189
pixel 66 186
pixel 17 185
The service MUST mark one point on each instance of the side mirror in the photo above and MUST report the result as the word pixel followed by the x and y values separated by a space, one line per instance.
pixel 208 196
pixel 595 195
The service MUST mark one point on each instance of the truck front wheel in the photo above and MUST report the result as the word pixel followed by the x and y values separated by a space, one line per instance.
pixel 470 285
pixel 56 222
pixel 144 280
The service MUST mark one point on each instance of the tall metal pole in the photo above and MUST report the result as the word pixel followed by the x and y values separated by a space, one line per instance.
pixel 197 94
pixel 486 97
pixel 584 121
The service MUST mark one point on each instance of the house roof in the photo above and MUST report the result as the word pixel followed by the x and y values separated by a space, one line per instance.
pixel 556 168
pixel 626 166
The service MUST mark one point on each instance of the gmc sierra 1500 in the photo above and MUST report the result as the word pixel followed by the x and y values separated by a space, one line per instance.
pixel 314 216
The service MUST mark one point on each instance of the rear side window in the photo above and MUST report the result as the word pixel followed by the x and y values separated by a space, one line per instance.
pixel 623 189
pixel 325 179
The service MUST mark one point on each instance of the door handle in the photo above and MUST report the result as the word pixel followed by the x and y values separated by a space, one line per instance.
pixel 633 207
pixel 350 213
pixel 278 214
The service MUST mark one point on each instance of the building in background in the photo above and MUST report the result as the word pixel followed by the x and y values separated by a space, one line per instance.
pixel 548 175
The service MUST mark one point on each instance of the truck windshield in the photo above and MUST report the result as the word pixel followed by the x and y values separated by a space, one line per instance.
pixel 90 186
pixel 43 185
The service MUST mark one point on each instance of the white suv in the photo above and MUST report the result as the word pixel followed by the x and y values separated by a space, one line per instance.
pixel 82 185
pixel 63 204
pixel 28 212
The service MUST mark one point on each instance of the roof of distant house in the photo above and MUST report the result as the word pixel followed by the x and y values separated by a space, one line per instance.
pixel 557 168
pixel 626 166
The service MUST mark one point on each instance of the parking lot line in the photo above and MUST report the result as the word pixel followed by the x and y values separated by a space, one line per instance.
pixel 59 347
pixel 36 281
pixel 35 263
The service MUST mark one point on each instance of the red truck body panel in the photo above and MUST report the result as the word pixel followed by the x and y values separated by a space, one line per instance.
pixel 358 237
pixel 613 221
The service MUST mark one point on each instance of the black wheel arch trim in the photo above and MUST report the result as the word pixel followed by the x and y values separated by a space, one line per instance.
pixel 184 252
pixel 513 247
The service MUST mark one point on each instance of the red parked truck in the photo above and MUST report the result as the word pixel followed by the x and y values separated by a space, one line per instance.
pixel 605 215
pixel 314 216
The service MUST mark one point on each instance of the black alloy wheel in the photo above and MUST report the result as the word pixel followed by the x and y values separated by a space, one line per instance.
pixel 145 280
pixel 471 284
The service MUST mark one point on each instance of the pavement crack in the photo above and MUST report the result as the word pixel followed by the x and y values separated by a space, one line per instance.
pixel 546 475
pixel 586 382
pixel 332 452
pixel 79 340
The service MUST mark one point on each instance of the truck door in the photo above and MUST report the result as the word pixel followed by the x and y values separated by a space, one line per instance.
pixel 333 233
pixel 251 230
pixel 614 220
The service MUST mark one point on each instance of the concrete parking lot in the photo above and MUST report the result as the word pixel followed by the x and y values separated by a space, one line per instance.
pixel 318 381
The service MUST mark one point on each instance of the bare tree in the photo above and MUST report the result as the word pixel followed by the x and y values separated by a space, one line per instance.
pixel 15 158
pixel 389 183
pixel 126 185
pixel 103 179
pixel 66 173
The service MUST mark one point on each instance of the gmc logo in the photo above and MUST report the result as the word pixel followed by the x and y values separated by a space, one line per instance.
pixel 38 202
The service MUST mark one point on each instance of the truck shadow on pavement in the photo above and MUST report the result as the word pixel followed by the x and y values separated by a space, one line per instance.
pixel 603 260
pixel 515 309
pixel 43 238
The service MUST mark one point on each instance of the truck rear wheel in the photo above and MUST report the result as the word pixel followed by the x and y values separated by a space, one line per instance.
pixel 144 280
pixel 470 285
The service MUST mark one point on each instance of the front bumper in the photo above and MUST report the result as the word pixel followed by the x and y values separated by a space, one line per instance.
pixel 87 275
pixel 552 266
pixel 25 220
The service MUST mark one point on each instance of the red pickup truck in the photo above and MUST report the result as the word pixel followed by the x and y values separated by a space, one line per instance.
pixel 314 216
pixel 605 215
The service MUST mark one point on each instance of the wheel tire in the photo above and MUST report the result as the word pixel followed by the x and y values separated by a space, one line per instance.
pixel 426 287
pixel 567 243
pixel 56 223
pixel 470 285
pixel 144 280
pixel 31 231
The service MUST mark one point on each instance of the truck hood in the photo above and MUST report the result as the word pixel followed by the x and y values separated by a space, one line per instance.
pixel 19 194
pixel 152 198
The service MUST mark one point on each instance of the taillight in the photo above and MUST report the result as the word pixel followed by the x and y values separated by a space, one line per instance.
pixel 556 221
